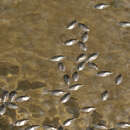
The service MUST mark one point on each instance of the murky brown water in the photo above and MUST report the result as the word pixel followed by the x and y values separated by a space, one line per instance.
pixel 32 31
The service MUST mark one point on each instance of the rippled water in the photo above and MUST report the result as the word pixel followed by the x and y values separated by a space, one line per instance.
pixel 32 31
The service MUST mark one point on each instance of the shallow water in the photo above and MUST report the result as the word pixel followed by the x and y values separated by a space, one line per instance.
pixel 32 31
